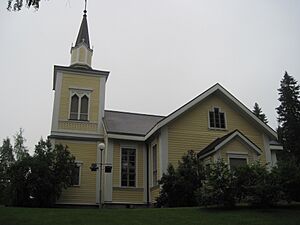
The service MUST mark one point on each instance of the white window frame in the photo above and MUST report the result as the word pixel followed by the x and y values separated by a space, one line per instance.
pixel 80 93
pixel 79 164
pixel 212 109
pixel 133 147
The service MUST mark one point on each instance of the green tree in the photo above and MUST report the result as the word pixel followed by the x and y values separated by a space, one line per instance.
pixel 17 5
pixel 6 152
pixel 287 173
pixel 289 116
pixel 258 112
pixel 6 159
pixel 20 149
pixel 179 185
pixel 256 185
pixel 38 180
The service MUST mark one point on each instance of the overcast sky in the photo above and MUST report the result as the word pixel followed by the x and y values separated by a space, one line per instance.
pixel 161 54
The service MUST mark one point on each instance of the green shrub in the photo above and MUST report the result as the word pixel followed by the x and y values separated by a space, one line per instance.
pixel 179 185
pixel 219 187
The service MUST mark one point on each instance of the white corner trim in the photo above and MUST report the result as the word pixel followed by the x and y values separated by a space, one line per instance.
pixel 267 150
pixel 108 176
pixel 56 104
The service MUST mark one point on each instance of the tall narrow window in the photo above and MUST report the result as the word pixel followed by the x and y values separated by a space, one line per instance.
pixel 154 158
pixel 74 107
pixel 84 108
pixel 79 105
pixel 217 119
pixel 128 167
pixel 76 176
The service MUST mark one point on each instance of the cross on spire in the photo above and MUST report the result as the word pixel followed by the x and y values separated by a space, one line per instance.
pixel 85 5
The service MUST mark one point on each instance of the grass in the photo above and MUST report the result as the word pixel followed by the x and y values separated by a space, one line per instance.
pixel 182 216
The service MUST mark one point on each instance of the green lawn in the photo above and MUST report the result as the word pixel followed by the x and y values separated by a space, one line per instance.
pixel 182 216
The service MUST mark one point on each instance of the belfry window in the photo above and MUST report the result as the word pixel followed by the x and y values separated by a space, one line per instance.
pixel 84 108
pixel 217 119
pixel 79 109
pixel 74 107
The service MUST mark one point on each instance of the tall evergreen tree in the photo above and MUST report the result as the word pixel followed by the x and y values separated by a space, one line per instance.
pixel 289 115
pixel 258 112
pixel 19 147
pixel 6 152
pixel 6 159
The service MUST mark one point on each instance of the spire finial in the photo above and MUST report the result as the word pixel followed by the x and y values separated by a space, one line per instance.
pixel 84 11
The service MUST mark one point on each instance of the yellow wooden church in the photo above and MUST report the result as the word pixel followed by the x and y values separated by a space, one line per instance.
pixel 139 147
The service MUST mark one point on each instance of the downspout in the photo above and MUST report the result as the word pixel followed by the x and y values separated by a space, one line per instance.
pixel 148 190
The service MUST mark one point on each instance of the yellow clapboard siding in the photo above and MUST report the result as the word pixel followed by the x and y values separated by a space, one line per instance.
pixel 86 153
pixel 235 146
pixel 190 131
pixel 79 81
pixel 133 193
pixel 128 195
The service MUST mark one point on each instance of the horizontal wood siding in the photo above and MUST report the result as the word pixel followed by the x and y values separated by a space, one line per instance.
pixel 79 81
pixel 236 146
pixel 124 194
pixel 190 131
pixel 84 152
pixel 128 195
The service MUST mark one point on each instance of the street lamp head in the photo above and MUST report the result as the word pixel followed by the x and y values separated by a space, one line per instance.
pixel 101 146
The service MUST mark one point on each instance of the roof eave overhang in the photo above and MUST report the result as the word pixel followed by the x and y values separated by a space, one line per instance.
pixel 131 137
pixel 228 139
pixel 80 71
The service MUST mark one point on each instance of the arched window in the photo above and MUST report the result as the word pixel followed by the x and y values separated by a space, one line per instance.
pixel 84 107
pixel 74 107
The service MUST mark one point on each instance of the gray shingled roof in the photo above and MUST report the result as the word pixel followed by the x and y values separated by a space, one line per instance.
pixel 129 123
pixel 83 34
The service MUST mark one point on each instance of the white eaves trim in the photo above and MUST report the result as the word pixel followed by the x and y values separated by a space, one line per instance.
pixel 203 96
pixel 126 137
pixel 228 139
pixel 235 134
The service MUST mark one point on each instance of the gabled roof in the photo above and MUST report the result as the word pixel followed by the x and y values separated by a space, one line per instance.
pixel 126 123
pixel 83 34
pixel 220 142
pixel 217 88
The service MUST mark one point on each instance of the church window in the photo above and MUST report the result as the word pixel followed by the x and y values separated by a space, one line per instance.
pixel 128 167
pixel 74 107
pixel 217 119
pixel 79 108
pixel 76 175
pixel 84 108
